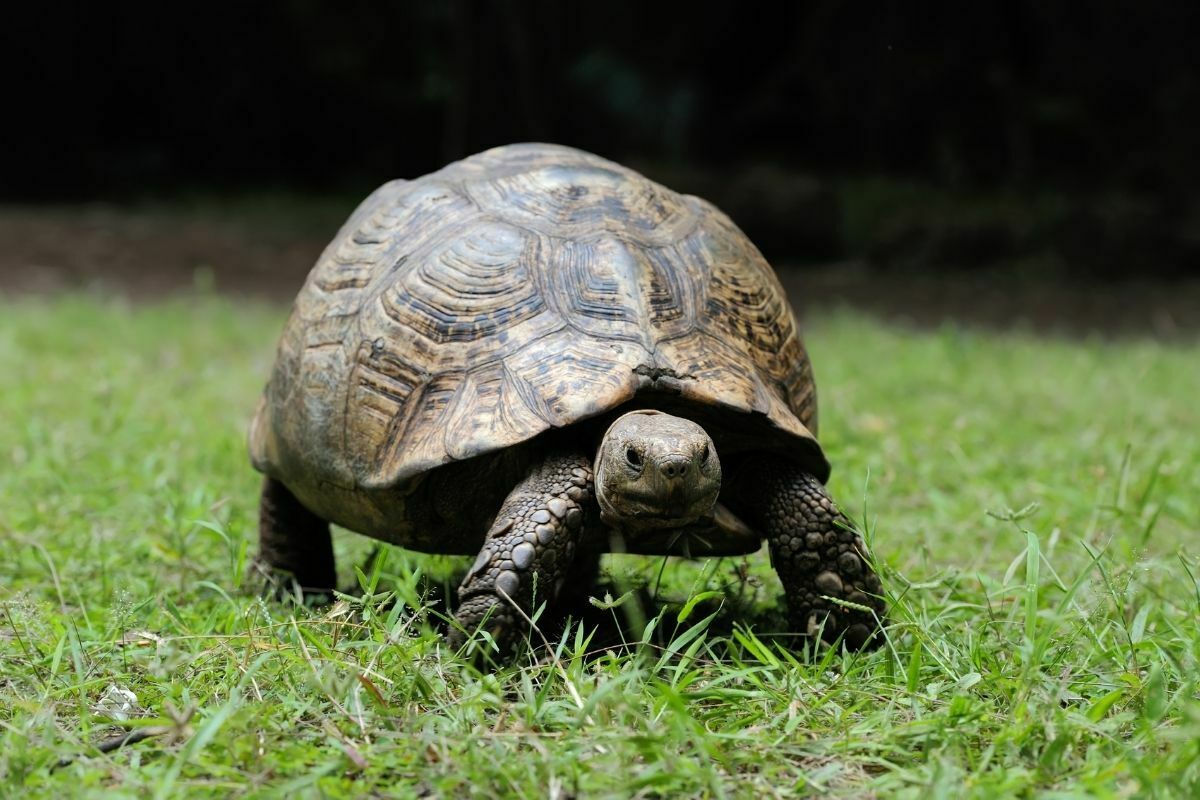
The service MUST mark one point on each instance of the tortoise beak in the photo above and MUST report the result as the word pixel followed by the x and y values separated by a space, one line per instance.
pixel 676 504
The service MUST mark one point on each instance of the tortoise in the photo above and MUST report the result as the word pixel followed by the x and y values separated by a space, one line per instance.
pixel 535 356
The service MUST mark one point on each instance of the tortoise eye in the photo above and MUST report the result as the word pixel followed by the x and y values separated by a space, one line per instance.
pixel 632 456
pixel 704 454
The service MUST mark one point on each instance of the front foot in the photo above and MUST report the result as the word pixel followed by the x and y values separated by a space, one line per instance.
pixel 527 554
pixel 281 586
pixel 821 559
pixel 496 616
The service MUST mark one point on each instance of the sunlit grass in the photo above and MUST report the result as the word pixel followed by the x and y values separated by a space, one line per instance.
pixel 1035 506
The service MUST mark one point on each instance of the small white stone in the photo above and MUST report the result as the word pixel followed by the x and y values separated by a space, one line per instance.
pixel 118 703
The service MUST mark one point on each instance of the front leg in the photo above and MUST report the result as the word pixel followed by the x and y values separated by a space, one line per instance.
pixel 531 544
pixel 818 554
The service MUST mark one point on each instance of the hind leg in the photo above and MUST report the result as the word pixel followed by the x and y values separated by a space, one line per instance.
pixel 295 550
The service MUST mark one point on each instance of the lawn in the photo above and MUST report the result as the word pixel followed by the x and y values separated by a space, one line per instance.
pixel 1034 505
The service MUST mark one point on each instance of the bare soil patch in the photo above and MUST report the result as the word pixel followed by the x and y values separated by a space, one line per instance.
pixel 264 251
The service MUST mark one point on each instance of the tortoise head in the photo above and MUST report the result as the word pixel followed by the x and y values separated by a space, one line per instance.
pixel 656 471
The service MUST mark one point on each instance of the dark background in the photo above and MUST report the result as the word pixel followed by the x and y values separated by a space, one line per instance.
pixel 1039 140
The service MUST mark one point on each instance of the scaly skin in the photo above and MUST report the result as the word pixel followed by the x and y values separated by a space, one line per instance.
pixel 532 543
pixel 817 554
pixel 294 545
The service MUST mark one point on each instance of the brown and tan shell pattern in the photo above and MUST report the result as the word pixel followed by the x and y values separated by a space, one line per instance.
pixel 525 288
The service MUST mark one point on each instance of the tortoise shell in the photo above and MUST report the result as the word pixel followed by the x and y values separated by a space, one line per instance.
pixel 525 289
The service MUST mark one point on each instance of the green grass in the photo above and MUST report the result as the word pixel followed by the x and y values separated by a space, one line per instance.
pixel 1035 506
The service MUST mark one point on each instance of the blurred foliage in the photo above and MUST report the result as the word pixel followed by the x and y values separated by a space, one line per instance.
pixel 1014 97
pixel 299 91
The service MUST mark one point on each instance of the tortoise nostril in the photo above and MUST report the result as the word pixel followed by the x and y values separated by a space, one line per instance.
pixel 674 466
